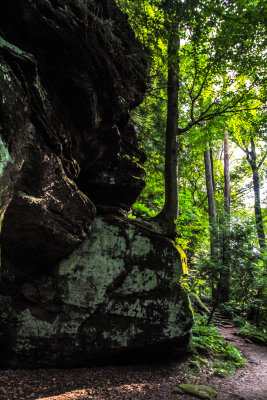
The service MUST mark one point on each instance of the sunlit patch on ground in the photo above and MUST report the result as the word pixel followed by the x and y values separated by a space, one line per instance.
pixel 86 394
pixel 137 382
pixel 76 394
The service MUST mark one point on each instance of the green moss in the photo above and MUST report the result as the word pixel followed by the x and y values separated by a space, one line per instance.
pixel 200 391
pixel 196 301
pixel 4 156
pixel 15 50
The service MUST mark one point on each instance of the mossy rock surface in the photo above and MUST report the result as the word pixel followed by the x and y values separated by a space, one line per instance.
pixel 199 391
pixel 118 292
pixel 79 282
pixel 198 304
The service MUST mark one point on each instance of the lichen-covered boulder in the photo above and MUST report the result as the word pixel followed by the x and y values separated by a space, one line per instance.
pixel 70 73
pixel 199 391
pixel 117 292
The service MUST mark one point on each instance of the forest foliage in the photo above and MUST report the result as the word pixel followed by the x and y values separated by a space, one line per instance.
pixel 220 64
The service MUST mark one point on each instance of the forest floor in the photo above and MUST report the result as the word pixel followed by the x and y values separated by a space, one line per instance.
pixel 140 382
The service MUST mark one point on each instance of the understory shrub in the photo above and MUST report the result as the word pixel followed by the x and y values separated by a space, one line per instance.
pixel 212 351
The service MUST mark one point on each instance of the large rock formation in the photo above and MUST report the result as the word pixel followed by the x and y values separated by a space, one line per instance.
pixel 76 288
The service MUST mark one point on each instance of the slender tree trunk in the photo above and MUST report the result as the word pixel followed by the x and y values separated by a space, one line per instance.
pixel 254 313
pixel 226 253
pixel 212 215
pixel 257 202
pixel 167 219
pixel 227 189
pixel 209 186
pixel 212 169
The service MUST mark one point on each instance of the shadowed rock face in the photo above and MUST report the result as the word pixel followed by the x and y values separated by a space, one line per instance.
pixel 109 296
pixel 71 71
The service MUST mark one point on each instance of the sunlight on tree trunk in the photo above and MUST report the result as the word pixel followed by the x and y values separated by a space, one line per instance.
pixel 167 219
pixel 226 253
pixel 212 213
pixel 257 201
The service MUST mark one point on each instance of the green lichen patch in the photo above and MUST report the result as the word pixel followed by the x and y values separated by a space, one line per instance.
pixel 92 267
pixel 136 308
pixel 199 391
pixel 102 299
pixel 4 156
pixel 29 325
pixel 141 246
pixel 139 280
pixel 15 50
pixel 122 338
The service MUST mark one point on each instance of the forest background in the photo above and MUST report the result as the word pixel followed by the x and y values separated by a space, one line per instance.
pixel 202 126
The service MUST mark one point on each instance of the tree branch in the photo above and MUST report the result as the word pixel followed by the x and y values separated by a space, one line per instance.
pixel 261 162
pixel 203 201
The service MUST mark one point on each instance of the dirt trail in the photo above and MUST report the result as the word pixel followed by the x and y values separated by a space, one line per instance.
pixel 249 383
pixel 139 382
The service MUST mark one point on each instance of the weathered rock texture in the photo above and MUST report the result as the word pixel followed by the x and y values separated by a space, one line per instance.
pixel 71 71
pixel 111 294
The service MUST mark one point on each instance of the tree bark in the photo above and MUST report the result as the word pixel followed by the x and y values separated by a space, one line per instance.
pixel 226 253
pixel 252 159
pixel 167 219
pixel 254 313
pixel 212 215
pixel 209 186
pixel 227 188
pixel 212 169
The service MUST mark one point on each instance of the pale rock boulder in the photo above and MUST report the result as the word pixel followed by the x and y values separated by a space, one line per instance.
pixel 80 284
pixel 116 295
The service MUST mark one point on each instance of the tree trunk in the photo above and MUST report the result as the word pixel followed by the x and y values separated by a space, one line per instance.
pixel 257 202
pixel 227 189
pixel 209 186
pixel 212 169
pixel 167 219
pixel 212 215
pixel 254 312
pixel 226 253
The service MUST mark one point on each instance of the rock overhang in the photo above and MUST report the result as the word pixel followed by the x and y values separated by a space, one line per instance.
pixel 68 149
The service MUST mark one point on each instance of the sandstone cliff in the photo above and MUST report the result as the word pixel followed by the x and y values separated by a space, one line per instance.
pixel 79 281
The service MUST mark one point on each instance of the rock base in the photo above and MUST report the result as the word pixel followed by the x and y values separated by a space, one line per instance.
pixel 117 294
